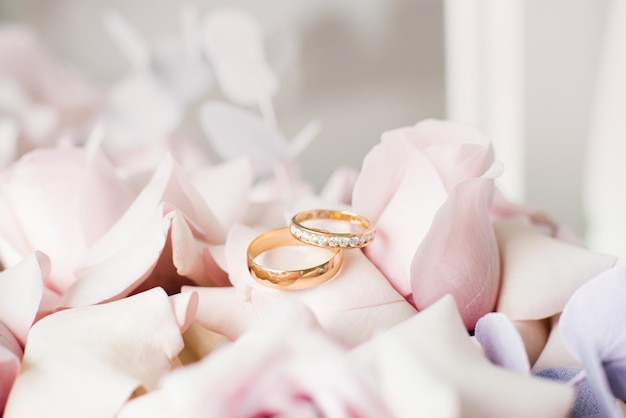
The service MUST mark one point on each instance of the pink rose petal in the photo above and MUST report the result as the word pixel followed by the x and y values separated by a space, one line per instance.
pixel 354 326
pixel 540 273
pixel 222 310
pixel 458 151
pixel 129 264
pixel 399 190
pixel 61 200
pixel 406 381
pixel 191 256
pixel 127 254
pixel 21 292
pixel 382 174
pixel 405 180
pixel 459 255
pixel 185 306
pixel 88 361
pixel 10 356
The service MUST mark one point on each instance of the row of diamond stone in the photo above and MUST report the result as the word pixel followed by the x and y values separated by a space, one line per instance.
pixel 324 240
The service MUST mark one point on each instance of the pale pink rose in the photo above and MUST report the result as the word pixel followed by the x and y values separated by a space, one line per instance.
pixel 89 361
pixel 352 306
pixel 428 188
pixel 283 366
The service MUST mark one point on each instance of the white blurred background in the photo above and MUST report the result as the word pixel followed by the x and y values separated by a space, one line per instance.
pixel 529 72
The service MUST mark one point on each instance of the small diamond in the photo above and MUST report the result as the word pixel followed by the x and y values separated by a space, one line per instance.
pixel 361 240
pixel 313 238
pixel 322 240
pixel 298 233
pixel 343 242
pixel 354 241
pixel 305 236
pixel 293 229
pixel 333 242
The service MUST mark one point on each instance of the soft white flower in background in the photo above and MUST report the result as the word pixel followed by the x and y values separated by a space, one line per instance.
pixel 41 102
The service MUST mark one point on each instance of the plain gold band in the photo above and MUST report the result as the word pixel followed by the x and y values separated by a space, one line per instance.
pixel 288 279
pixel 328 239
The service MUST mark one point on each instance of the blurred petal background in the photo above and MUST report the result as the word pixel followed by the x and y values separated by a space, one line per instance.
pixel 543 78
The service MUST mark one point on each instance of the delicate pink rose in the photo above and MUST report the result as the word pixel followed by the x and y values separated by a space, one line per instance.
pixel 283 366
pixel 352 306
pixel 87 362
pixel 428 188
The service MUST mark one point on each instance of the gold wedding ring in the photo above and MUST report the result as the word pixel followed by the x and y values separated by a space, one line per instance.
pixel 323 238
pixel 288 279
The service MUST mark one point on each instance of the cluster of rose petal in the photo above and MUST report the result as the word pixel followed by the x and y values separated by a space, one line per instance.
pixel 126 293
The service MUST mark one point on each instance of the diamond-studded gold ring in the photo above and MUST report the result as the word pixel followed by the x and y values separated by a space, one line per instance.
pixel 362 231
